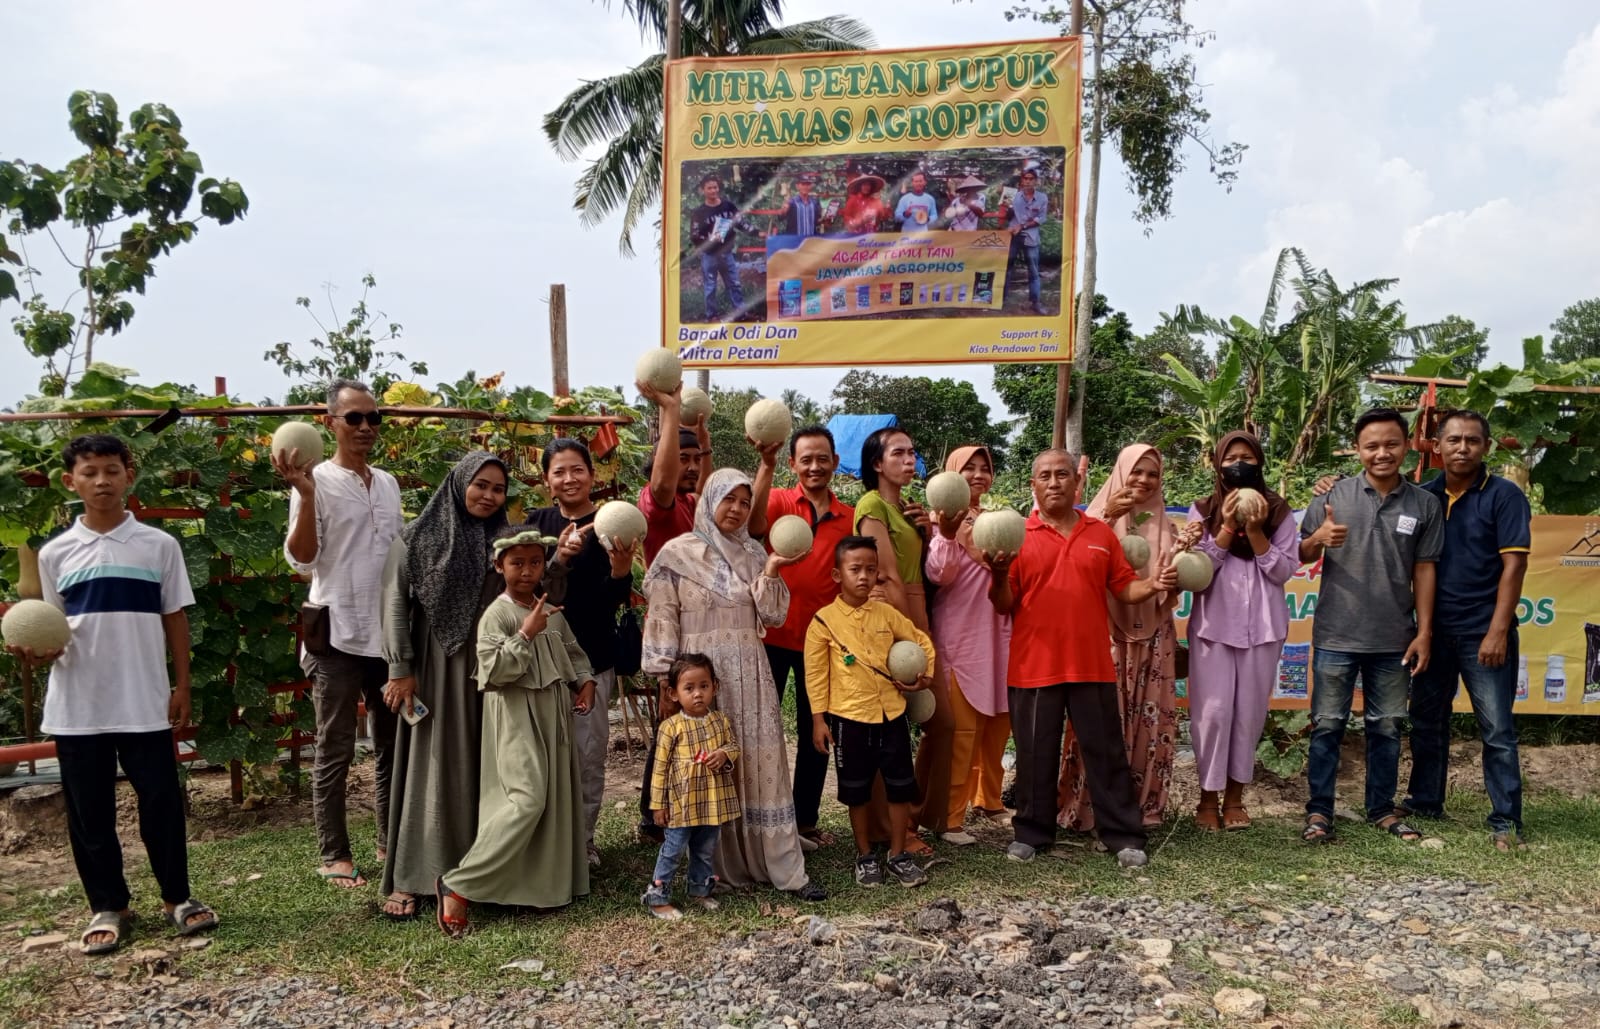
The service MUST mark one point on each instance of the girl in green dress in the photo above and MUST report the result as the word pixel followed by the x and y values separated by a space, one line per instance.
pixel 529 851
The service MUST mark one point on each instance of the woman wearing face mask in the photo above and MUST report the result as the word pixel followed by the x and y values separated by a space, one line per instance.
pixel 1143 646
pixel 1236 628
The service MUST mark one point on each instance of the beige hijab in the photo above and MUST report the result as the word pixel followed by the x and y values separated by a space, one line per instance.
pixel 1139 621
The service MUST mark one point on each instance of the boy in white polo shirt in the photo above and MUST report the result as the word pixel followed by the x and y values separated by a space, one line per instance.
pixel 123 586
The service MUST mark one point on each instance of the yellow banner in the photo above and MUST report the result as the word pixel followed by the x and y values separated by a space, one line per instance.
pixel 887 207
pixel 1558 625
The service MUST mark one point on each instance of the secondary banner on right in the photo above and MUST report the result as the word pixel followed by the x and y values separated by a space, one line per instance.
pixel 1558 624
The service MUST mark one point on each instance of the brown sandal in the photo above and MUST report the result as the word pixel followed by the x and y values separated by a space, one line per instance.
pixel 1235 817
pixel 1208 817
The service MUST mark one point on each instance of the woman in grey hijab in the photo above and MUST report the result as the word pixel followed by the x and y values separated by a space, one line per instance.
pixel 438 579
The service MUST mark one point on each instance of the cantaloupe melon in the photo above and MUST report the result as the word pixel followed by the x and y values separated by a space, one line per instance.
pixel 36 624
pixel 1136 549
pixel 948 493
pixel 999 532
pixel 659 369
pixel 768 422
pixel 790 536
pixel 695 406
pixel 302 436
pixel 1194 571
pixel 920 705
pixel 620 523
pixel 1247 503
pixel 907 661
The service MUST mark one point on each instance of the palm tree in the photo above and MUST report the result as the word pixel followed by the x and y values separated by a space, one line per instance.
pixel 623 112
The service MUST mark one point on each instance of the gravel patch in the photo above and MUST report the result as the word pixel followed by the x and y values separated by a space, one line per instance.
pixel 1451 950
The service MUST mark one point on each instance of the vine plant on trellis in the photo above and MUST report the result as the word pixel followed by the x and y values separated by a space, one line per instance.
pixel 209 483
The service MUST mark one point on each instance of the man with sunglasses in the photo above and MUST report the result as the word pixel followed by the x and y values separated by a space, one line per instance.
pixel 343 514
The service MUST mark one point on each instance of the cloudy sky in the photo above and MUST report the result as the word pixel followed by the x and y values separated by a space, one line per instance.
pixel 1442 143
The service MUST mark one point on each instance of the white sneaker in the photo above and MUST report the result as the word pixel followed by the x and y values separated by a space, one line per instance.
pixel 1132 857
pixel 960 838
pixel 1020 852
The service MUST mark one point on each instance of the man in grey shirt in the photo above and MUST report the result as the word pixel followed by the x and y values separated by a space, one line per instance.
pixel 1379 537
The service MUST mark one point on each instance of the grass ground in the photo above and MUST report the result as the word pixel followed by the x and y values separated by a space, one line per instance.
pixel 278 919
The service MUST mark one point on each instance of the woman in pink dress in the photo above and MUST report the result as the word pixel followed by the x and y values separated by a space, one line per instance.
pixel 974 643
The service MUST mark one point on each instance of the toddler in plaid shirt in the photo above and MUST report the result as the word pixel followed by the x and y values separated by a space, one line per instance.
pixel 691 788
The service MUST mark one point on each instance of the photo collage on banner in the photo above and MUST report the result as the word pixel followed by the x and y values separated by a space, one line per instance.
pixel 887 207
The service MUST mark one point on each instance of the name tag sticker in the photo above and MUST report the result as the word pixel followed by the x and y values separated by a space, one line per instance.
pixel 1406 525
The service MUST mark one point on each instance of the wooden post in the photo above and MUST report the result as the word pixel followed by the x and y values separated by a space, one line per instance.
pixel 1058 430
pixel 560 379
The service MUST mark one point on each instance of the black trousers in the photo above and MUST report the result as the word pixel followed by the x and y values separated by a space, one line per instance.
pixel 89 780
pixel 1038 722
pixel 810 765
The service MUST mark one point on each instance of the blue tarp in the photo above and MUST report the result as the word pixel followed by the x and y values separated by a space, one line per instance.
pixel 851 430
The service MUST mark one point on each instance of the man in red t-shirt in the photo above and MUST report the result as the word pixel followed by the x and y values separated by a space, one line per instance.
pixel 813 460
pixel 1060 666
pixel 680 460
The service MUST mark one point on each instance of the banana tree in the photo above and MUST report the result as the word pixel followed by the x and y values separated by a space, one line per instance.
pixel 1209 406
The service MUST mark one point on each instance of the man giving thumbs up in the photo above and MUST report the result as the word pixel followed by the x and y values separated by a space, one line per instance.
pixel 1374 616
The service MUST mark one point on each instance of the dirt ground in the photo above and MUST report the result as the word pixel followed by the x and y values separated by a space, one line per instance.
pixel 33 835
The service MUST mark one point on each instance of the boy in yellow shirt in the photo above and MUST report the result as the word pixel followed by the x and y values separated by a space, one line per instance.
pixel 858 708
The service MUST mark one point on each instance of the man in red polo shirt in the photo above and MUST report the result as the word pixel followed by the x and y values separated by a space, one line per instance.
pixel 813 460
pixel 1060 666
pixel 680 460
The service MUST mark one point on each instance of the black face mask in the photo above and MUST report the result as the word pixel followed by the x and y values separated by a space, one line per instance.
pixel 1242 473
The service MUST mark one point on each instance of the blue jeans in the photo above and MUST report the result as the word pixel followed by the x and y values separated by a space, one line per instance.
pixel 1493 691
pixel 701 843
pixel 1384 681
pixel 726 264
pixel 1030 256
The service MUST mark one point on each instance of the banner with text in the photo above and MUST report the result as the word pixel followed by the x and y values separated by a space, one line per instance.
pixel 1558 625
pixel 886 207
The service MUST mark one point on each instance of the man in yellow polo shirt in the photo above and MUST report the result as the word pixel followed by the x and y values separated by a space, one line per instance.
pixel 858 708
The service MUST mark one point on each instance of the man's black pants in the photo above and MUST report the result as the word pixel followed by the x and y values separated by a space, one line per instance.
pixel 810 764
pixel 89 779
pixel 1038 723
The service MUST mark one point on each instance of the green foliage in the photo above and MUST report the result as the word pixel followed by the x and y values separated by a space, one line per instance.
pixel 1459 340
pixel 1297 384
pixel 1285 745
pixel 622 113
pixel 244 591
pixel 1576 334
pixel 1146 97
pixel 351 349
pixel 729 447
pixel 938 414
pixel 129 197
pixel 1127 403
pixel 1549 437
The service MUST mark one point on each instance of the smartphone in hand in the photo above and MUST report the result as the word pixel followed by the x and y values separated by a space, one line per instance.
pixel 414 712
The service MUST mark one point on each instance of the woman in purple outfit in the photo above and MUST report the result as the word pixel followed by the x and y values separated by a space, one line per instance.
pixel 1236 629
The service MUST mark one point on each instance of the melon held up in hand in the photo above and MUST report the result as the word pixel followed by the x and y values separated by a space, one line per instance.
pixel 1136 549
pixel 948 493
pixel 790 536
pixel 768 422
pixel 620 522
pixel 659 369
pixel 999 532
pixel 695 405
pixel 302 436
pixel 1248 504
pixel 1194 571
pixel 35 624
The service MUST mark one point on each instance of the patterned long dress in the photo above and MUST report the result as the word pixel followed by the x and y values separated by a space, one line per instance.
pixel 686 615
pixel 1149 728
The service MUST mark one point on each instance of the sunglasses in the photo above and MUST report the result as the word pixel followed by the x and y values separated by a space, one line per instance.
pixel 355 418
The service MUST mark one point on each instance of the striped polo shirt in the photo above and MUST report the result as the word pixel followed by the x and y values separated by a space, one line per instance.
pixel 114 587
